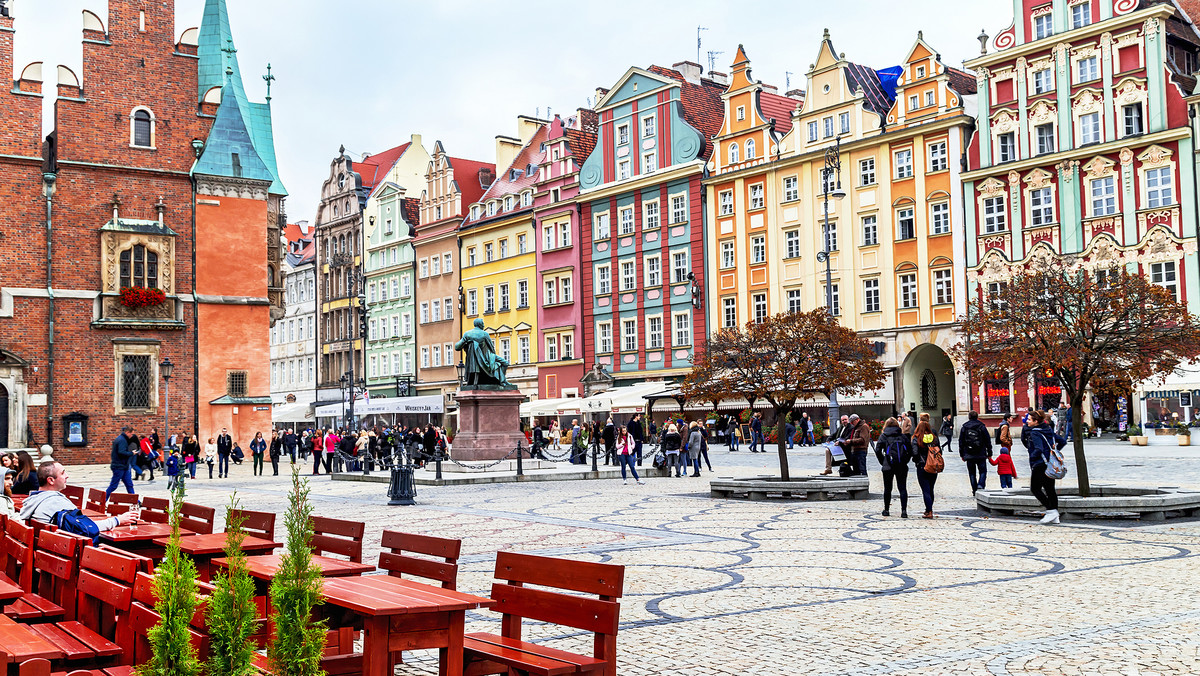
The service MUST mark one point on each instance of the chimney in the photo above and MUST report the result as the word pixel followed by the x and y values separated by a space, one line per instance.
pixel 487 176
pixel 770 88
pixel 527 127
pixel 415 140
pixel 506 151
pixel 719 78
pixel 689 70
pixel 589 121
pixel 797 94
pixel 600 93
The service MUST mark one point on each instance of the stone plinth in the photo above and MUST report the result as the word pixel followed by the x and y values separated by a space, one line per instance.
pixel 809 488
pixel 489 424
pixel 1151 504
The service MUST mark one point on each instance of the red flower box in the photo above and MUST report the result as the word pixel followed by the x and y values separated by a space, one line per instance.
pixel 139 296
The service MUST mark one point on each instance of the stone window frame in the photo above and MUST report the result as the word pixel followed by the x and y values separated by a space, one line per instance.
pixel 1156 157
pixel 133 126
pixel 122 349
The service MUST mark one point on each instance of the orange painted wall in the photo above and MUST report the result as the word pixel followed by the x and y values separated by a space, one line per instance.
pixel 231 260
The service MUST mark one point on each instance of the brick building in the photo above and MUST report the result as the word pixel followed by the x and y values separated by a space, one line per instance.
pixel 157 166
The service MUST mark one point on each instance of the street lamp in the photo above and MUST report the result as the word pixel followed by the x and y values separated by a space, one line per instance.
pixel 342 389
pixel 831 186
pixel 164 369
pixel 462 373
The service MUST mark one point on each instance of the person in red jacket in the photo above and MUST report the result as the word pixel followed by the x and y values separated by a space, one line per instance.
pixel 1004 467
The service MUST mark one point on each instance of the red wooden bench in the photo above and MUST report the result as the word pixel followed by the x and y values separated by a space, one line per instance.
pixel 486 653
pixel 258 524
pixel 197 518
pixel 119 503
pixel 155 510
pixel 95 500
pixel 56 568
pixel 105 591
pixel 133 635
pixel 75 495
pixel 19 548
pixel 438 560
pixel 338 536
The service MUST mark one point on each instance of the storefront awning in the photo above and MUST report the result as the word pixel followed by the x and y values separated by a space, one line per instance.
pixel 533 409
pixel 617 400
pixel 292 413
pixel 428 404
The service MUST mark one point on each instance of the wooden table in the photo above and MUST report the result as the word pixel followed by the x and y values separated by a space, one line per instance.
pixel 20 644
pixel 204 547
pixel 139 538
pixel 399 614
pixel 265 566
pixel 9 591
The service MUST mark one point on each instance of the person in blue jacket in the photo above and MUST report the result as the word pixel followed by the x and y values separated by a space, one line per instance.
pixel 1038 437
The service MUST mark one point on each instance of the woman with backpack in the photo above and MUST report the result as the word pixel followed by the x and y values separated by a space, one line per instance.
pixel 894 451
pixel 927 456
pixel 671 443
pixel 1039 438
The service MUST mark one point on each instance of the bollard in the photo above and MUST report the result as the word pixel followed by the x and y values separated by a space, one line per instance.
pixel 595 453
pixel 520 469
pixel 402 488
pixel 437 464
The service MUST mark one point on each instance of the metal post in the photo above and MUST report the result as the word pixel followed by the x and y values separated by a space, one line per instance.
pixel 832 164
pixel 402 489
pixel 595 451
pixel 520 468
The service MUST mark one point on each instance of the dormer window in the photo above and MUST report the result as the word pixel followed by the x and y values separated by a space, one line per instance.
pixel 475 210
pixel 141 133
pixel 530 169
pixel 526 199
pixel 514 174
pixel 508 203
pixel 491 209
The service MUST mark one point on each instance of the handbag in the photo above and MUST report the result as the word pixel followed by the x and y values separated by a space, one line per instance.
pixel 1056 466
pixel 934 463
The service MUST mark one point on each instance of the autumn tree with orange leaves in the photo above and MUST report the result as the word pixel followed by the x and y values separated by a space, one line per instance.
pixel 1103 329
pixel 784 360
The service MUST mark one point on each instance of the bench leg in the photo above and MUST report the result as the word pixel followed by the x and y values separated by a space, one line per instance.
pixel 375 646
pixel 1154 516
pixel 816 495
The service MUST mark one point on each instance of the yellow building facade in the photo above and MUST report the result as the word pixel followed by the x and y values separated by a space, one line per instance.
pixel 499 259
pixel 892 241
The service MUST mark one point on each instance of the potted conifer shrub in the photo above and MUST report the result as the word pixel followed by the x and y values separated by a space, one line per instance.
pixel 230 613
pixel 172 653
pixel 298 642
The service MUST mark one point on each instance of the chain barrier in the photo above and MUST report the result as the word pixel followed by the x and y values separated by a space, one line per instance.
pixel 547 455
pixel 490 464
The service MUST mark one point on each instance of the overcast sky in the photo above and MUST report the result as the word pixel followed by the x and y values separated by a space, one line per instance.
pixel 368 73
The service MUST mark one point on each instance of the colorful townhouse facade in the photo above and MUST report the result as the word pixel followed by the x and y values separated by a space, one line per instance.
pixel 451 185
pixel 899 135
pixel 293 337
pixel 556 232
pixel 497 241
pixel 1084 148
pixel 393 212
pixel 641 216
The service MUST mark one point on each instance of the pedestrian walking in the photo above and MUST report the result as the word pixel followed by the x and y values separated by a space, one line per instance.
pixel 1059 420
pixel 859 443
pixel 554 436
pixel 609 435
pixel 893 450
pixel 695 442
pixel 145 457
pixel 275 450
pixel 224 449
pixel 258 449
pixel 735 434
pixel 119 459
pixel 671 445
pixel 625 445
pixel 927 456
pixel 192 453
pixel 756 436
pixel 1039 438
pixel 638 435
pixel 947 431
pixel 806 431
pixel 173 469
pixel 704 452
pixel 331 445
pixel 318 450
pixel 975 448
pixel 290 443
pixel 1005 469
pixel 210 457
pixel 906 425
pixel 789 429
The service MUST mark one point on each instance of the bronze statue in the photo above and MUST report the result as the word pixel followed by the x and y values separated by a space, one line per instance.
pixel 485 370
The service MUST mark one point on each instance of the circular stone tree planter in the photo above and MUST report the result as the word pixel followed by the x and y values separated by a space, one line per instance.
pixel 810 488
pixel 1151 504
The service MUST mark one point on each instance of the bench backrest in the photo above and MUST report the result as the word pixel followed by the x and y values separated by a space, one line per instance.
pixel 95 500
pixel 143 564
pixel 56 567
pixel 119 503
pixel 155 510
pixel 75 495
pixel 105 590
pixel 338 536
pixel 256 524
pixel 18 543
pixel 134 634
pixel 197 518
pixel 598 615
pixel 398 562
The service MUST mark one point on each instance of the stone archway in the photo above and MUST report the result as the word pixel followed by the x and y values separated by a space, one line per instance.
pixel 928 382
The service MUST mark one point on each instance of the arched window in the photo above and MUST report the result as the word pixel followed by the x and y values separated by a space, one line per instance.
pixel 139 267
pixel 143 129
pixel 733 153
pixel 749 149
pixel 929 393
pixel 342 244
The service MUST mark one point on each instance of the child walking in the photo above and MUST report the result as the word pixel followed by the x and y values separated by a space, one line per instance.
pixel 173 465
pixel 1005 467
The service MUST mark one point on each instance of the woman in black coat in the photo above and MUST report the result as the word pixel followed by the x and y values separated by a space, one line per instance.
pixel 893 449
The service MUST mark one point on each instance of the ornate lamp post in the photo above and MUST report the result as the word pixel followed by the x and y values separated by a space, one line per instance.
pixel 164 369
pixel 342 389
pixel 831 186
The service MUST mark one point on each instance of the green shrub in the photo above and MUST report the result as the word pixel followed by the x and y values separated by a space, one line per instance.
pixel 230 614
pixel 296 647
pixel 171 650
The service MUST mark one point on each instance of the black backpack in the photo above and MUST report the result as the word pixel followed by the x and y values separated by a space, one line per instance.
pixel 892 454
pixel 971 440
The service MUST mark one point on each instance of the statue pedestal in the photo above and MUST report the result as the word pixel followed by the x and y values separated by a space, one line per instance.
pixel 489 424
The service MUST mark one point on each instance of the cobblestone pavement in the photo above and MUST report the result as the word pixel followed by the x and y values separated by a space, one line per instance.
pixel 734 587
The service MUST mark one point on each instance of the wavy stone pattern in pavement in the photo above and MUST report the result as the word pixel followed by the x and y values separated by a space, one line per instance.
pixel 733 587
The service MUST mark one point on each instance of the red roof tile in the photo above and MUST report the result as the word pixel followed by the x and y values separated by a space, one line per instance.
pixel 410 208
pixel 702 105
pixel 375 167
pixel 466 174
pixel 581 142
pixel 778 108
pixel 961 81
pixel 516 177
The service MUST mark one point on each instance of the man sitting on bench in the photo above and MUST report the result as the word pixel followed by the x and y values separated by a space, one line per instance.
pixel 43 504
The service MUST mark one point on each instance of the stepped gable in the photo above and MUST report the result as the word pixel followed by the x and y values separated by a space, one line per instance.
pixel 702 105
pixel 865 78
pixel 778 108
